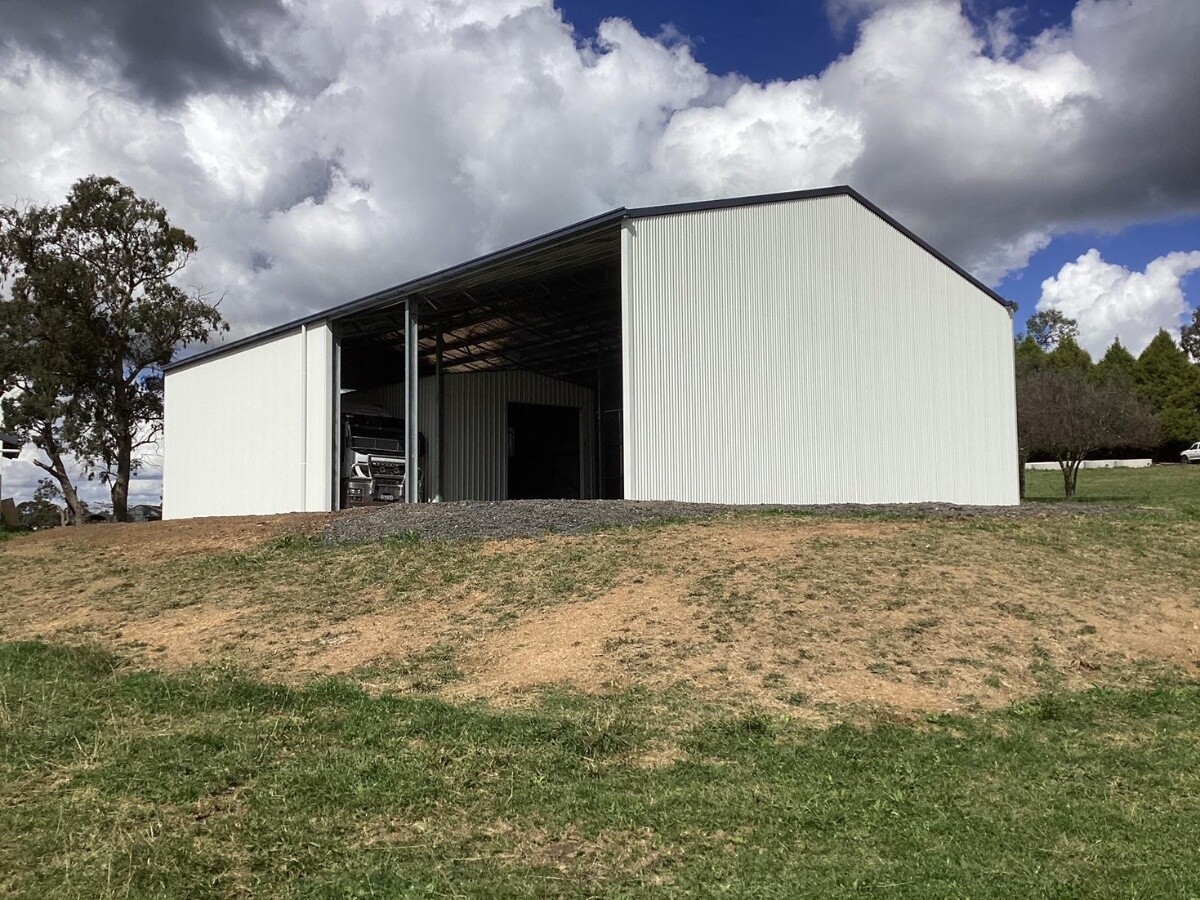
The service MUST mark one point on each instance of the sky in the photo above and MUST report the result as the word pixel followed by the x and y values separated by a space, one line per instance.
pixel 322 149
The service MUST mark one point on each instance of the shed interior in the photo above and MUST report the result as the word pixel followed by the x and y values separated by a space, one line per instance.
pixel 550 307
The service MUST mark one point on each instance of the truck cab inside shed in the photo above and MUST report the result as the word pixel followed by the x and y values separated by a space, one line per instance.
pixel 515 381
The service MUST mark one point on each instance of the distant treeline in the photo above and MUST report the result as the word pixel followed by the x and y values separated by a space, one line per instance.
pixel 1162 377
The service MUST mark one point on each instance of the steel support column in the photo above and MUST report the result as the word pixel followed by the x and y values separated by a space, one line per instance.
pixel 412 429
pixel 338 500
pixel 440 380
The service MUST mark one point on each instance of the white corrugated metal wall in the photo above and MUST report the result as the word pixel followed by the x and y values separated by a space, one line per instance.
pixel 250 432
pixel 476 465
pixel 807 352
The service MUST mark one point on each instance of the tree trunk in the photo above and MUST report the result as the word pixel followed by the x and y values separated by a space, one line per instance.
pixel 75 511
pixel 120 485
pixel 1070 472
pixel 1022 458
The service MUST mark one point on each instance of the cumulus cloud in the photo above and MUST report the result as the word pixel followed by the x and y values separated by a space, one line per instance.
pixel 990 155
pixel 373 140
pixel 165 51
pixel 766 137
pixel 844 13
pixel 324 149
pixel 1110 301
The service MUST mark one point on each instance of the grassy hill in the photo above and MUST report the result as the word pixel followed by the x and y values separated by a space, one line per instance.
pixel 759 704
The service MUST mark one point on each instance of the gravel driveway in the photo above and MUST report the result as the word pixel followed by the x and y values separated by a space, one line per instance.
pixel 533 518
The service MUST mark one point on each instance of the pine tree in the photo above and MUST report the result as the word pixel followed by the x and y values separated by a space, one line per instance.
pixel 1068 356
pixel 1117 363
pixel 1029 355
pixel 1170 385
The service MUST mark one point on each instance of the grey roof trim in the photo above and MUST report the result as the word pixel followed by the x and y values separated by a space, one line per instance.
pixel 841 190
pixel 11 440
pixel 399 292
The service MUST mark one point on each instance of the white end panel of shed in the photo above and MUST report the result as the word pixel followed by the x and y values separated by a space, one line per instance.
pixel 808 352
pixel 250 432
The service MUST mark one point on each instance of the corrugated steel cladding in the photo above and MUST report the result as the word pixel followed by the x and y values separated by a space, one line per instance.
pixel 476 408
pixel 251 432
pixel 807 352
pixel 799 351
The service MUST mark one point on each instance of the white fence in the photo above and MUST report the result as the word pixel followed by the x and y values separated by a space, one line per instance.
pixel 1098 464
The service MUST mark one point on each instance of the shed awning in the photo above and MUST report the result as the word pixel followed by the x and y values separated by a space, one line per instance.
pixel 554 310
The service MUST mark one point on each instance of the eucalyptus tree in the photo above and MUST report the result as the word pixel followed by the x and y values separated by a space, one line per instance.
pixel 92 314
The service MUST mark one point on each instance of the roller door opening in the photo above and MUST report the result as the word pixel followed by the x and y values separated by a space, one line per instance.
pixel 543 452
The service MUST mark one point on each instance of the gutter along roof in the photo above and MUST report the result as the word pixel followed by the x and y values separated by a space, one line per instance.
pixel 398 293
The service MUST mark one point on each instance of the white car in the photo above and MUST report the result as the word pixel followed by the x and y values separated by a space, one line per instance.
pixel 1191 454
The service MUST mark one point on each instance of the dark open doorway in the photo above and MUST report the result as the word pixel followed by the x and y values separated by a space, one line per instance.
pixel 543 452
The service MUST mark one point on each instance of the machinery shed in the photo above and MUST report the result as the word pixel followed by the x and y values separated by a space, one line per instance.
pixel 785 349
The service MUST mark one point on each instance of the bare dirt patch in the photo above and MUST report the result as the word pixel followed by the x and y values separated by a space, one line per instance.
pixel 189 636
pixel 797 614
pixel 142 541
pixel 804 615
pixel 577 643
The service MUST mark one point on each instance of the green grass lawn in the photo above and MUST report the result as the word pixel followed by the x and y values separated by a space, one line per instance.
pixel 132 784
pixel 1172 487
